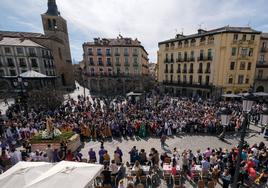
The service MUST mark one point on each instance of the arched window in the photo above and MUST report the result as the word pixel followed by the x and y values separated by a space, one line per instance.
pixel 54 24
pixel 49 24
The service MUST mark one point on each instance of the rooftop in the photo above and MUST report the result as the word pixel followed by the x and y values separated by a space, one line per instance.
pixel 22 34
pixel 264 35
pixel 202 32
pixel 119 41
pixel 12 41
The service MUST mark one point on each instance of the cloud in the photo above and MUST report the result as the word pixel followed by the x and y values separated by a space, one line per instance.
pixel 150 21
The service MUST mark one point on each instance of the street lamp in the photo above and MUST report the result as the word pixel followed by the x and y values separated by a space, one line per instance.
pixel 264 116
pixel 264 121
pixel 248 101
pixel 21 84
pixel 225 119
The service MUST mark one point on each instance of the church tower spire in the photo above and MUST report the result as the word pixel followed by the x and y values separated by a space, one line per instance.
pixel 52 8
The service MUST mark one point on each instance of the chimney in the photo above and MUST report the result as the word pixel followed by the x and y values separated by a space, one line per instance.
pixel 179 36
pixel 96 40
pixel 201 31
pixel 22 38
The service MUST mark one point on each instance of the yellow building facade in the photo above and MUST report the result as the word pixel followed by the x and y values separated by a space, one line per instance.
pixel 261 76
pixel 209 63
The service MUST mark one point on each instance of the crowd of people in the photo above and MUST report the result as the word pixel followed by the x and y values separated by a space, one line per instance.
pixel 101 119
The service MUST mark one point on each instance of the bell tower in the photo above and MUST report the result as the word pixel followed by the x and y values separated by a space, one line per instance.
pixel 53 24
pixel 55 28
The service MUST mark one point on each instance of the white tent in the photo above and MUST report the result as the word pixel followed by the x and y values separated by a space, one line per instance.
pixel 67 175
pixel 261 94
pixel 231 96
pixel 32 74
pixel 23 173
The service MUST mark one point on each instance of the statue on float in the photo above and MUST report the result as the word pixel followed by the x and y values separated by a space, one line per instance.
pixel 51 132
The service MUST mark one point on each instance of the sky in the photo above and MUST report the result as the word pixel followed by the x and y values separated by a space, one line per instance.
pixel 151 21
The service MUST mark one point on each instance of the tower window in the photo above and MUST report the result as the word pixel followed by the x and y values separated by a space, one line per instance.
pixel 54 24
pixel 49 24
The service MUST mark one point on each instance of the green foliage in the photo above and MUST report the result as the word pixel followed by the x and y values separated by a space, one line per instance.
pixel 46 98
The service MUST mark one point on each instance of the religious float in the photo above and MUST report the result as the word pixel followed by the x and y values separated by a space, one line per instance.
pixel 53 136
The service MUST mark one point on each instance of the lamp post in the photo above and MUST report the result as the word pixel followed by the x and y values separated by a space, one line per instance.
pixel 225 120
pixel 21 84
pixel 264 121
pixel 248 101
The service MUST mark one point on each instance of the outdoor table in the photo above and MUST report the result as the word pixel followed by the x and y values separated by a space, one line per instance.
pixel 168 167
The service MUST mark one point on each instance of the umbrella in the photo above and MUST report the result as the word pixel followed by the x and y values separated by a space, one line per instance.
pixel 67 174
pixel 261 94
pixel 231 96
pixel 23 173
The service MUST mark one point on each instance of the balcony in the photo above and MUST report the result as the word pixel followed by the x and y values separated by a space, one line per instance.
pixel 135 54
pixel 166 61
pixel 100 63
pixel 207 71
pixel 10 64
pixel 192 59
pixel 166 71
pixel 109 64
pixel 178 60
pixel 117 54
pixel 126 54
pixel 261 64
pixel 108 54
pixel 235 42
pixel 117 64
pixel 172 60
pixel 200 71
pixel 191 70
pixel 250 41
pixel 23 65
pixel 184 71
pixel 210 58
pixel 189 84
pixel 135 64
pixel 263 49
pixel 91 63
pixel 201 58
pixel 126 64
pixel 171 71
pixel 179 71
pixel 99 54
pixel 243 57
pixel 32 55
pixel 185 59
pixel 90 53
pixel 261 78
